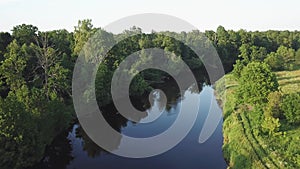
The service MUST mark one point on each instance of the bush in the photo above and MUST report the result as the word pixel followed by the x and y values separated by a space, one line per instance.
pixel 291 108
pixel 270 125
pixel 256 82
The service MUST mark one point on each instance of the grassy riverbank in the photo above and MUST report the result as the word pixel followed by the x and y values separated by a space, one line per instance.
pixel 245 146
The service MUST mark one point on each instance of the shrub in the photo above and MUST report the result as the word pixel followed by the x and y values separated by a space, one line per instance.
pixel 256 82
pixel 291 108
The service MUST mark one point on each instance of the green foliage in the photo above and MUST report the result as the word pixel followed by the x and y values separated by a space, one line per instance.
pixel 276 48
pixel 245 144
pixel 270 125
pixel 252 53
pixel 61 41
pixel 275 61
pixel 297 57
pixel 83 31
pixel 272 108
pixel 288 55
pixel 257 81
pixel 11 70
pixel 35 78
pixel 17 134
pixel 25 34
pixel 34 110
pixel 175 50
pixel 238 67
pixel 58 82
pixel 291 108
pixel 258 53
pixel 5 39
pixel 227 44
pixel 245 52
pixel 103 85
pixel 28 123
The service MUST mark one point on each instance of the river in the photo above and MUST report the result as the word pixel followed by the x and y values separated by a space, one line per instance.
pixel 74 150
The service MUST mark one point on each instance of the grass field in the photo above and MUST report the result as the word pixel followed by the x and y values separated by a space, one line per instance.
pixel 289 81
pixel 243 147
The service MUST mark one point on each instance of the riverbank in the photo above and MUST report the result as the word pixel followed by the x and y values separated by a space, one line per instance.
pixel 244 144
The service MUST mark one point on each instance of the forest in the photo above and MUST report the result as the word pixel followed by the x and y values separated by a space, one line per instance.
pixel 260 99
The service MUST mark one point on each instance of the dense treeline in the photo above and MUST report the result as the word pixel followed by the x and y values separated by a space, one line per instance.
pixel 36 72
pixel 35 102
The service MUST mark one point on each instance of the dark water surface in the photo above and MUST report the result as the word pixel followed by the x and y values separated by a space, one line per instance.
pixel 74 150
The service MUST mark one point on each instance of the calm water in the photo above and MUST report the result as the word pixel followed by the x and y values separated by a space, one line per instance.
pixel 74 150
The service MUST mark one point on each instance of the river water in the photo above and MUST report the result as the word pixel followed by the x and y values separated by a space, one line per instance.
pixel 74 150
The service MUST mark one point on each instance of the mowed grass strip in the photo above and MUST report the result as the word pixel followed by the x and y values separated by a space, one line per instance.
pixel 289 81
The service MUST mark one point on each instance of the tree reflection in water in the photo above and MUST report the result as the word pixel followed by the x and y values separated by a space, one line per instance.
pixel 117 121
pixel 60 154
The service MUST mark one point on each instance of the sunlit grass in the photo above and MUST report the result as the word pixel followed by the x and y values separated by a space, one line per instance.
pixel 289 81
